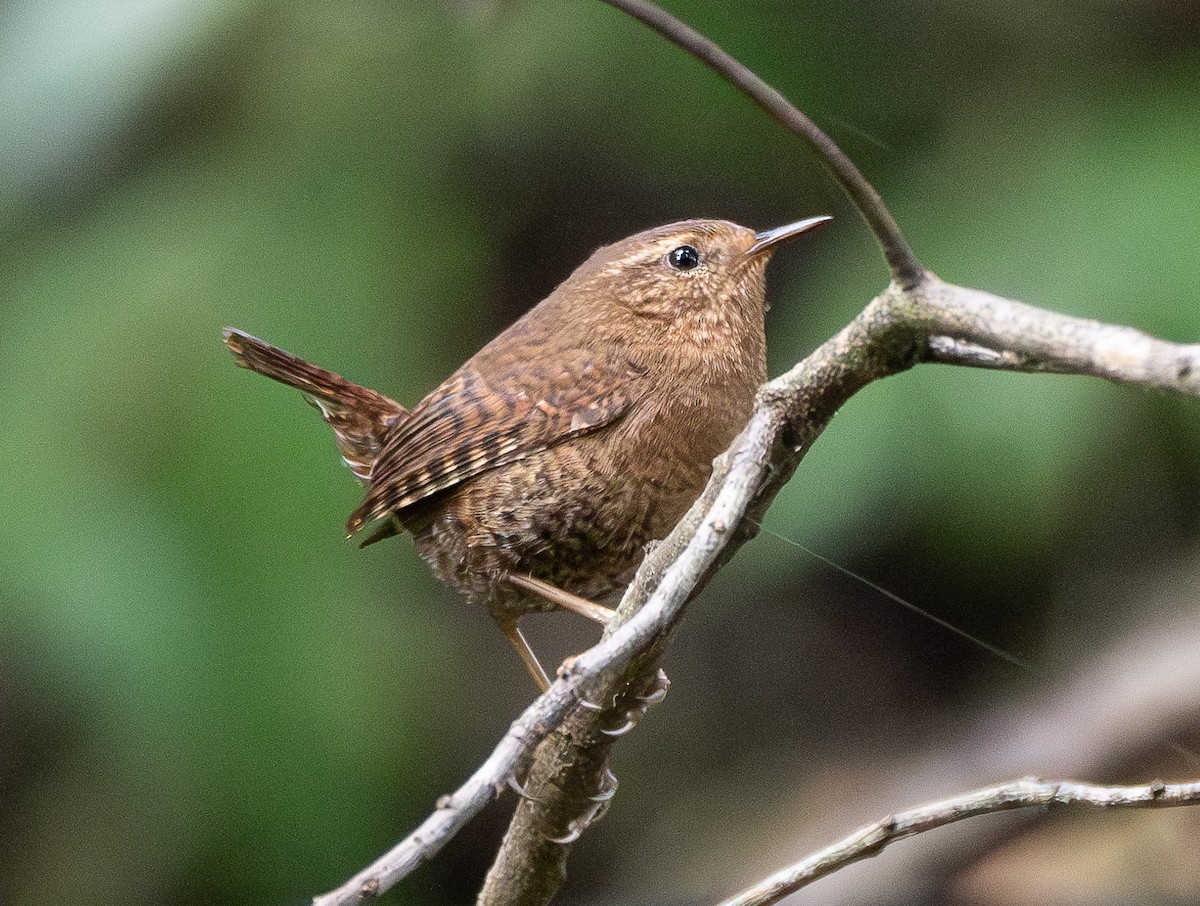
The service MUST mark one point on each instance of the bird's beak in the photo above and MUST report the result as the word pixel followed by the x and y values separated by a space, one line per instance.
pixel 770 238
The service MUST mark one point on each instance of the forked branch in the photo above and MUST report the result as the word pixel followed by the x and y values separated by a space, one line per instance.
pixel 906 269
pixel 917 318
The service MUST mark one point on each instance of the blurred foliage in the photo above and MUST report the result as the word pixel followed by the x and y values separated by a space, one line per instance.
pixel 206 696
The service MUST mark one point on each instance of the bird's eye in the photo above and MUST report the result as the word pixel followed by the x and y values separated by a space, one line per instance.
pixel 683 258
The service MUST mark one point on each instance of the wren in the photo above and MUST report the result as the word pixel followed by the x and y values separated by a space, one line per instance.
pixel 536 474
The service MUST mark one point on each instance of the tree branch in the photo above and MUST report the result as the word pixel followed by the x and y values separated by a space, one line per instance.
pixel 1045 341
pixel 790 415
pixel 1094 715
pixel 948 351
pixel 906 269
pixel 1029 793
pixel 889 336
pixel 917 318
pixel 569 787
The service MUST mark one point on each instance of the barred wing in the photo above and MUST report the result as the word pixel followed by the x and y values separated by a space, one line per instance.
pixel 473 423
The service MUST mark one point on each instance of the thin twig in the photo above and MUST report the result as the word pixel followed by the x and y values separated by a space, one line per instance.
pixel 1028 793
pixel 902 260
pixel 455 810
pixel 509 759
pixel 1088 718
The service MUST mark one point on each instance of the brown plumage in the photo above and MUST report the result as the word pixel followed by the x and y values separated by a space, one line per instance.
pixel 360 418
pixel 535 475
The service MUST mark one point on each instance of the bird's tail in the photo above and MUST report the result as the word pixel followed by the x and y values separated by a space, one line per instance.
pixel 360 418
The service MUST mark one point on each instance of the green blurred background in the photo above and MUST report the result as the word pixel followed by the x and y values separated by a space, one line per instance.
pixel 208 696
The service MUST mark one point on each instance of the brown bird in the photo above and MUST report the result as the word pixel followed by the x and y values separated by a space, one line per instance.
pixel 536 474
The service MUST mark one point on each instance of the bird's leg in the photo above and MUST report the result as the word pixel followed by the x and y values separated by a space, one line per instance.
pixel 564 599
pixel 554 595
pixel 514 635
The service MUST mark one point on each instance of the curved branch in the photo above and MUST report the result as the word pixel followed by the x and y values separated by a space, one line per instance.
pixel 1028 793
pixel 889 336
pixel 902 260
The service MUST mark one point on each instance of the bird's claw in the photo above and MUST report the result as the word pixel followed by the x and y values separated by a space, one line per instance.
pixel 520 790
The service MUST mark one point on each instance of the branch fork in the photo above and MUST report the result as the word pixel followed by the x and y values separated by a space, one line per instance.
pixel 560 746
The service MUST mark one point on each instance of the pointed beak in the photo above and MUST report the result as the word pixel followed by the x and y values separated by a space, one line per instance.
pixel 770 238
